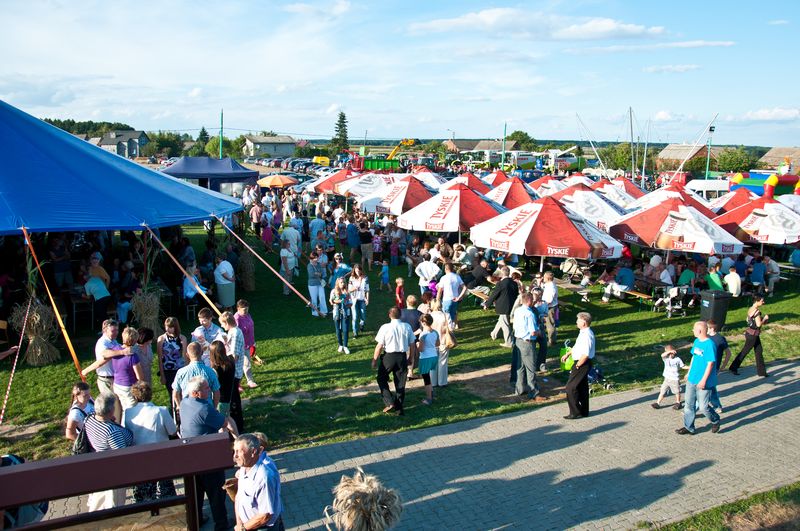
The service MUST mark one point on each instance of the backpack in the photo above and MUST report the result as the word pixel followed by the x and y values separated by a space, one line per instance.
pixel 82 444
pixel 24 514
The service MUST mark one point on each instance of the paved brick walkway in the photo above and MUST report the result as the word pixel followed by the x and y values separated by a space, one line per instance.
pixel 534 470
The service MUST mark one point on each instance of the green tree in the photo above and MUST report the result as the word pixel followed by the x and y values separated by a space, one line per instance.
pixel 525 141
pixel 202 136
pixel 339 141
pixel 237 146
pixel 269 133
pixel 212 147
pixel 310 151
pixel 697 165
pixel 735 160
pixel 198 150
pixel 163 143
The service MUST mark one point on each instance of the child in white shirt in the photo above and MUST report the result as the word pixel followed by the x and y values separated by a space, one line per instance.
pixel 672 364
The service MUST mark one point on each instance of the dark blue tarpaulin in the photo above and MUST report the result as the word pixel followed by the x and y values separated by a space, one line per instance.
pixel 212 172
pixel 53 181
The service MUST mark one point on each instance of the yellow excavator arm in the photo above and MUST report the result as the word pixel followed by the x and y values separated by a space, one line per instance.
pixel 406 142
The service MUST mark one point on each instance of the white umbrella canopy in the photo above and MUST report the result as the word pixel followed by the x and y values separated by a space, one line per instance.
pixel 397 198
pixel 453 210
pixel 791 201
pixel 367 184
pixel 764 220
pixel 430 179
pixel 550 187
pixel 595 208
pixel 577 179
pixel 617 195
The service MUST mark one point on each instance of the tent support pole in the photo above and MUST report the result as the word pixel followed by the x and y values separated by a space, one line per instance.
pixel 541 264
pixel 55 308
pixel 261 259
pixel 185 273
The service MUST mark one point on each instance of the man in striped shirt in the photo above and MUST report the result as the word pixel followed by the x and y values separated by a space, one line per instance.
pixel 105 434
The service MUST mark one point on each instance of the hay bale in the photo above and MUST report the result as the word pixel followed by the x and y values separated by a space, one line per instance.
pixel 362 503
pixel 40 331
pixel 247 271
pixel 146 308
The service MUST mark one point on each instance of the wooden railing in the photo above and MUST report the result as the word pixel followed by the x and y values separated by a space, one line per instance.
pixel 75 475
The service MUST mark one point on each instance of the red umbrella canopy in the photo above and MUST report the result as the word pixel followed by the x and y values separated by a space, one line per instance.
pixel 764 220
pixel 510 194
pixel 628 186
pixel 327 186
pixel 470 180
pixel 495 178
pixel 673 191
pixel 731 200
pixel 455 209
pixel 544 228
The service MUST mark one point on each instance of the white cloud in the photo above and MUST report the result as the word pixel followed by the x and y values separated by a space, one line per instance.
pixel 661 69
pixel 653 46
pixel 779 22
pixel 605 28
pixel 300 9
pixel 196 92
pixel 776 114
pixel 340 7
pixel 535 25
pixel 333 108
pixel 664 116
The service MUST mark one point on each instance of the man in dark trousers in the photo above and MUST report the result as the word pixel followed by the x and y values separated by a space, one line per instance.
pixel 393 353
pixel 503 297
pixel 410 315
pixel 199 417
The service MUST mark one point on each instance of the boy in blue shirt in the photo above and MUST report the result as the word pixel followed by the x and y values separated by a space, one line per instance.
pixel 700 381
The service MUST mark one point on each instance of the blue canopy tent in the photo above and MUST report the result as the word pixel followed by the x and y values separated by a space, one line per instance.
pixel 51 180
pixel 212 172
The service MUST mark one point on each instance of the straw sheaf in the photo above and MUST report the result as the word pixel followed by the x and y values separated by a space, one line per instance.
pixel 146 307
pixel 362 503
pixel 40 331
pixel 247 272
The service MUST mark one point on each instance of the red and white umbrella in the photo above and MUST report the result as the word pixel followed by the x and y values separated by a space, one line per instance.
pixel 468 179
pixel 764 220
pixel 589 204
pixel 629 187
pixel 399 197
pixel 673 226
pixel 550 187
pixel 545 228
pixel 326 186
pixel 455 209
pixel 540 181
pixel 577 179
pixel 615 194
pixel 731 200
pixel 512 193
pixel 430 179
pixel 495 178
pixel 367 184
pixel 673 191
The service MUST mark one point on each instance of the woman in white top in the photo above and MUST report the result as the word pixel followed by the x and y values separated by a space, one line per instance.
pixel 427 345
pixel 582 353
pixel 82 406
pixel 358 286
pixel 224 278
pixel 440 324
pixel 288 263
pixel 149 424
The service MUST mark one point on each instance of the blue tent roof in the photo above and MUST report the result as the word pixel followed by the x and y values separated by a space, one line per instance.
pixel 225 169
pixel 53 181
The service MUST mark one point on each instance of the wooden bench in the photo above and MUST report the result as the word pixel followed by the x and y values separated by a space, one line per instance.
pixel 642 299
pixel 575 288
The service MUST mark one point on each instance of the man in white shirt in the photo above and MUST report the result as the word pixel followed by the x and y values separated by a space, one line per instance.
pixel 397 342
pixel 292 235
pixel 582 353
pixel 426 271
pixel 772 274
pixel 734 282
pixel 451 291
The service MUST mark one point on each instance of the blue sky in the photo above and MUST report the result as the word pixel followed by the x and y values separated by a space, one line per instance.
pixel 412 69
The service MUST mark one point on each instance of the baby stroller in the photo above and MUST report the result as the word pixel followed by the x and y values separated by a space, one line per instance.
pixel 571 270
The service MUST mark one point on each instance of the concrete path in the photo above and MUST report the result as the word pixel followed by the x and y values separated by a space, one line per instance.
pixel 534 470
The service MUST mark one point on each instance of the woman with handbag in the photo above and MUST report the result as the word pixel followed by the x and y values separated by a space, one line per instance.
pixel 447 341
pixel 341 303
pixel 752 338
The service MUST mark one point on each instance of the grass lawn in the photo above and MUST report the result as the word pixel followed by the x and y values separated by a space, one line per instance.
pixel 300 355
pixel 776 510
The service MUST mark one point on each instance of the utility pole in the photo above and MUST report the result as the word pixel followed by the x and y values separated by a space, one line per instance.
pixel 220 132
pixel 711 129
